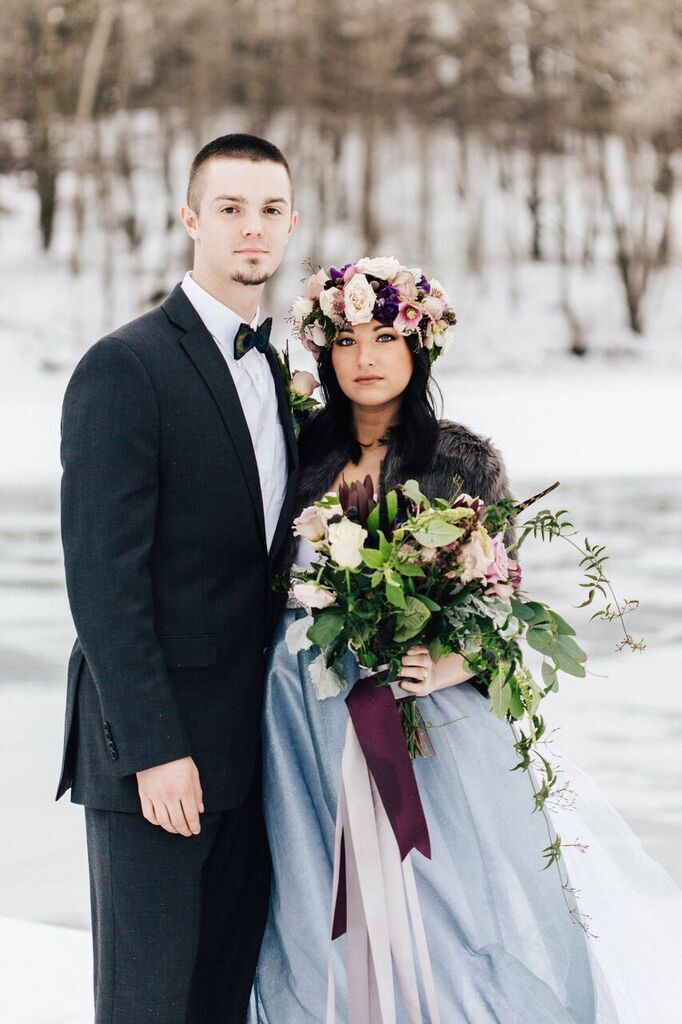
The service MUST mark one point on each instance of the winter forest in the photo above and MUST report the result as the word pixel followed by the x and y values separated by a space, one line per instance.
pixel 527 153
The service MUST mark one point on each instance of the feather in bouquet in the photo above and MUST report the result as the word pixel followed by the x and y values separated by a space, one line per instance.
pixel 408 570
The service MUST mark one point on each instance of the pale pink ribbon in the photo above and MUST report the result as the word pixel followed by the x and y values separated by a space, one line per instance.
pixel 381 899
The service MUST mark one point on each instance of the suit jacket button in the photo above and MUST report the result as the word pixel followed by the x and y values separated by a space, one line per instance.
pixel 114 755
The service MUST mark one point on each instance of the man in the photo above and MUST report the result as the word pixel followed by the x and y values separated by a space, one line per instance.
pixel 179 461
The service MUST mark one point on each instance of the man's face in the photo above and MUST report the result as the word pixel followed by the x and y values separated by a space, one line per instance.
pixel 245 219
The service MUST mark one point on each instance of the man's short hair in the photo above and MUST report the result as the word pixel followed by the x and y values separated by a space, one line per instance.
pixel 236 147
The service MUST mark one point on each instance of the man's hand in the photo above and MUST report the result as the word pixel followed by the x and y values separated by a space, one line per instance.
pixel 170 795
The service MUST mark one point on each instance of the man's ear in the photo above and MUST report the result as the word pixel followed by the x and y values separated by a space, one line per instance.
pixel 294 221
pixel 191 221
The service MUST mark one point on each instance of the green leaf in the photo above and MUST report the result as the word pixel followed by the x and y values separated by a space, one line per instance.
pixel 373 558
pixel 500 693
pixel 569 647
pixel 384 546
pixel 412 619
pixel 411 490
pixel 549 676
pixel 540 639
pixel 571 668
pixel 373 521
pixel 516 707
pixel 541 614
pixel 395 595
pixel 560 625
pixel 326 627
pixel 437 533
pixel 521 610
pixel 432 605
pixel 408 569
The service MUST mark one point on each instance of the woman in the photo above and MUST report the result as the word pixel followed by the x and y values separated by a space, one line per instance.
pixel 503 944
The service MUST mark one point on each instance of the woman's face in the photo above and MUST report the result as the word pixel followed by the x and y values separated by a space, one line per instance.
pixel 372 362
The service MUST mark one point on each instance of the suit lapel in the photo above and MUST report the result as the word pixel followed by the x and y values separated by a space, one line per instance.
pixel 284 409
pixel 205 355
pixel 286 512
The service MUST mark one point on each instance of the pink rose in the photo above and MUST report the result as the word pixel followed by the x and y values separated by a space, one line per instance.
pixel 502 590
pixel 316 284
pixel 475 557
pixel 349 273
pixel 407 286
pixel 311 524
pixel 312 595
pixel 313 339
pixel 304 383
pixel 434 307
pixel 515 573
pixel 498 570
pixel 407 320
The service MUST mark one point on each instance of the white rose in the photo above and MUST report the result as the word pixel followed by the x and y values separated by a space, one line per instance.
pixel 385 267
pixel 345 541
pixel 301 308
pixel 296 636
pixel 327 681
pixel 331 304
pixel 444 340
pixel 475 556
pixel 312 595
pixel 359 299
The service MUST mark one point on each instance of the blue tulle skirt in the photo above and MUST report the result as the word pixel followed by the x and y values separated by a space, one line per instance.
pixel 503 944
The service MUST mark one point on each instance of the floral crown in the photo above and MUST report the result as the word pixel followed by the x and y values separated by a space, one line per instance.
pixel 373 289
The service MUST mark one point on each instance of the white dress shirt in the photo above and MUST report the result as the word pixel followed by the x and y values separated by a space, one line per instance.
pixel 256 389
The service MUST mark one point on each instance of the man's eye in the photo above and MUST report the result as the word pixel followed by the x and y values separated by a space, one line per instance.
pixel 229 209
pixel 274 209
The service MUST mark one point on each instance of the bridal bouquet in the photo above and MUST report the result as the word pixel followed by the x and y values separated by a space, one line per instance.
pixel 404 571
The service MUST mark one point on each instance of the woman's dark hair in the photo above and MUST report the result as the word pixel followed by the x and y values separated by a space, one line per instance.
pixel 414 436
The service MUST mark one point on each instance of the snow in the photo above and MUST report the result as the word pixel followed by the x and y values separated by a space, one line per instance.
pixel 45 974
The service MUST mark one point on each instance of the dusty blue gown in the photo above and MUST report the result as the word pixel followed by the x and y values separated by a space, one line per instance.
pixel 504 947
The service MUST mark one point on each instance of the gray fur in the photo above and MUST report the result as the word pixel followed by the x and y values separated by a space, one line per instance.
pixel 458 452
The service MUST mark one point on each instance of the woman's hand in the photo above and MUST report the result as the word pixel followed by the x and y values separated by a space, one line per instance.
pixel 421 675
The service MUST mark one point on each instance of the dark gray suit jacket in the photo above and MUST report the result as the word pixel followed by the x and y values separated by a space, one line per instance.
pixel 167 569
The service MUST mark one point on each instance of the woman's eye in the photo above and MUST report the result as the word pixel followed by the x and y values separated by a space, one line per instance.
pixel 345 342
pixel 386 337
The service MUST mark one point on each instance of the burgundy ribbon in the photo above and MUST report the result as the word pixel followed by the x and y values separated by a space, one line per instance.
pixel 376 720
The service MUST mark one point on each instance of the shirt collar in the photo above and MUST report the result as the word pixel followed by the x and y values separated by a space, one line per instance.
pixel 220 321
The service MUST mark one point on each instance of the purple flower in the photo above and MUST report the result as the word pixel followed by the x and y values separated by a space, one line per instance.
pixel 387 305
pixel 423 285
pixel 335 273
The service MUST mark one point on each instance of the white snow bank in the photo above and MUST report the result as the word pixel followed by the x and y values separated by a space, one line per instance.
pixel 45 974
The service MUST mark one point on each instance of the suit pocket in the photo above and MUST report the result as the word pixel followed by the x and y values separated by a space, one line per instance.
pixel 197 651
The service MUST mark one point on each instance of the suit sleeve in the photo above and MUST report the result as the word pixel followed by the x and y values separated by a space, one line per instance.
pixel 110 487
